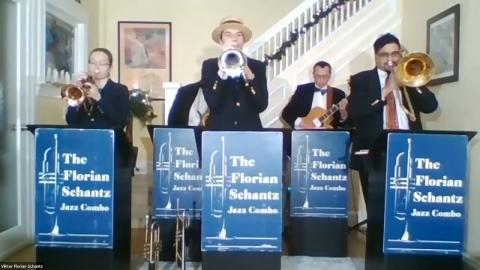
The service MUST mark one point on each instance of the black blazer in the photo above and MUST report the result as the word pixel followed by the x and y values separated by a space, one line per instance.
pixel 232 105
pixel 180 110
pixel 300 103
pixel 365 109
pixel 111 111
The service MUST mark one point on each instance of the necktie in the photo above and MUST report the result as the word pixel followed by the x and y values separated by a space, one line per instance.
pixel 392 120
pixel 322 91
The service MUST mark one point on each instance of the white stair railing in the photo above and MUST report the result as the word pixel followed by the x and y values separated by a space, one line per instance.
pixel 269 42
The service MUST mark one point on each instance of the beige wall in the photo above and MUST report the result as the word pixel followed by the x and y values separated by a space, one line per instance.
pixel 55 108
pixel 459 109
pixel 93 7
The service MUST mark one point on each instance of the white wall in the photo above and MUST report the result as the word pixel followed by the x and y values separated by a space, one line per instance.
pixel 459 109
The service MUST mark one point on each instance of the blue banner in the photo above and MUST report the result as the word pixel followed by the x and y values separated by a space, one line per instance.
pixel 74 188
pixel 242 191
pixel 178 177
pixel 319 174
pixel 425 192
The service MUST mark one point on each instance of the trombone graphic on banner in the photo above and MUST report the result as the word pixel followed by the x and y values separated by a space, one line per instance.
pixel 50 179
pixel 165 167
pixel 218 182
pixel 301 167
pixel 401 182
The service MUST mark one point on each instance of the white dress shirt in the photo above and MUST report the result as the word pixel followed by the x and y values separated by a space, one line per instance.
pixel 401 115
pixel 197 110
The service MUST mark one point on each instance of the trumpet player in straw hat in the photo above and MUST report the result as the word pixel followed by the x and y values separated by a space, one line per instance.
pixel 234 86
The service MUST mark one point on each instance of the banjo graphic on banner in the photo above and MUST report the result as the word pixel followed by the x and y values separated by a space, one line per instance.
pixel 242 191
pixel 178 176
pixel 425 194
pixel 74 188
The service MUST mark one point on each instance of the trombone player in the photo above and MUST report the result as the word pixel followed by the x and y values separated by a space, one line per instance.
pixel 376 101
pixel 234 86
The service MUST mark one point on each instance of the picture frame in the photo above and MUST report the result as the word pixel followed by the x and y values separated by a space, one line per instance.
pixel 443 36
pixel 144 56
pixel 64 44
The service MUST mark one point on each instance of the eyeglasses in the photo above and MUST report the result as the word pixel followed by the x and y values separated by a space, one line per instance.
pixel 394 54
pixel 99 64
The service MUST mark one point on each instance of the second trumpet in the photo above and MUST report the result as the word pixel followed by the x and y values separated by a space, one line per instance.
pixel 74 94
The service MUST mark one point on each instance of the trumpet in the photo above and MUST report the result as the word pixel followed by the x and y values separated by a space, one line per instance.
pixel 413 70
pixel 153 245
pixel 232 62
pixel 76 95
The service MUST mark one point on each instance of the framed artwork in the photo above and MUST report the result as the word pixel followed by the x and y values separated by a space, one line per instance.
pixel 144 56
pixel 59 44
pixel 64 50
pixel 443 32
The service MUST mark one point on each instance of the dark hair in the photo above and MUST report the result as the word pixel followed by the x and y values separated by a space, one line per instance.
pixel 105 51
pixel 384 40
pixel 322 64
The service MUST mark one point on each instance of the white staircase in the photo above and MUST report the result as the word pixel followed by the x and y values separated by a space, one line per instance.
pixel 344 38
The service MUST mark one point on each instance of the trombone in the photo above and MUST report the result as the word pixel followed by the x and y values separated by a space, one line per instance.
pixel 413 70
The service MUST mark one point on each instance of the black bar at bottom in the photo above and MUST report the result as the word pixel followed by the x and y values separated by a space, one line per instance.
pixel 167 236
pixel 235 260
pixel 321 237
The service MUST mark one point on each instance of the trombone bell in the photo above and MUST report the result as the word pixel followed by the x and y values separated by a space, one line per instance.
pixel 415 69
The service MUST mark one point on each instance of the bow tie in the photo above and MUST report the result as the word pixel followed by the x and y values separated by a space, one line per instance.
pixel 322 91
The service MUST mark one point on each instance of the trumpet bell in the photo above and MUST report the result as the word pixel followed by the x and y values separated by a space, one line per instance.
pixel 232 61
pixel 74 95
pixel 415 69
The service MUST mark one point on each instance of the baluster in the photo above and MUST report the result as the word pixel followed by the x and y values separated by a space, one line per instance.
pixel 278 64
pixel 297 44
pixel 289 53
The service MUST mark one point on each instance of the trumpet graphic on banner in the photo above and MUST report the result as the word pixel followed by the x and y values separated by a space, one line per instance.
pixel 51 180
pixel 401 182
pixel 164 166
pixel 301 167
pixel 217 182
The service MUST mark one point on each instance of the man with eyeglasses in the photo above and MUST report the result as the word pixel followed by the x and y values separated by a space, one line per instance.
pixel 376 103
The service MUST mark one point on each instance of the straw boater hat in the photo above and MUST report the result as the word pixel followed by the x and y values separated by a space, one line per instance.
pixel 231 23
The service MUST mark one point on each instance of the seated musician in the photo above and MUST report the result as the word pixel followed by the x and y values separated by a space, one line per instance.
pixel 316 104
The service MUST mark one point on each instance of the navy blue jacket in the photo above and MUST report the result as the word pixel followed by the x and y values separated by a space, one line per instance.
pixel 232 105
pixel 111 111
